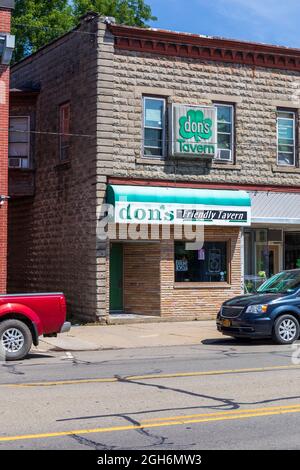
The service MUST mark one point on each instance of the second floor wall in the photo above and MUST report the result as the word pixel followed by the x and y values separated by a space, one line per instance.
pixel 103 109
pixel 257 118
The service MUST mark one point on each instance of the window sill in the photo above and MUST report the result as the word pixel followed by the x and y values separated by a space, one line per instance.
pixel 63 165
pixel 285 169
pixel 164 161
pixel 225 166
pixel 21 170
pixel 202 285
pixel 150 161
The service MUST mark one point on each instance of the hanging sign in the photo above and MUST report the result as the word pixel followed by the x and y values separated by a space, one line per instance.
pixel 193 131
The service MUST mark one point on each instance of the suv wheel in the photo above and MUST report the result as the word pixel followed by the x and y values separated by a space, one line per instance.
pixel 15 340
pixel 286 329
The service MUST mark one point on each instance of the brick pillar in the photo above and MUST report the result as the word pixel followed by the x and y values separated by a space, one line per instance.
pixel 5 16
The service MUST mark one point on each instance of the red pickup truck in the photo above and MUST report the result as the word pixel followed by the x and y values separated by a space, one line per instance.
pixel 25 317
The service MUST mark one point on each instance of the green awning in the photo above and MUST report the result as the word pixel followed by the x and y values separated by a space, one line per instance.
pixel 178 206
pixel 163 195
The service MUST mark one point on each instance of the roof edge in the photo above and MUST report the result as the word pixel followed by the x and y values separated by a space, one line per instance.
pixel 7 4
pixel 172 43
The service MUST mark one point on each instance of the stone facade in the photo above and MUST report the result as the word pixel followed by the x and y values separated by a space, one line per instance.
pixel 53 233
pixel 256 94
pixel 105 84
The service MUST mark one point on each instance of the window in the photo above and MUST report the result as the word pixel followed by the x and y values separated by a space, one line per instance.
pixel 286 145
pixel 292 250
pixel 209 264
pixel 64 129
pixel 154 127
pixel 19 142
pixel 225 132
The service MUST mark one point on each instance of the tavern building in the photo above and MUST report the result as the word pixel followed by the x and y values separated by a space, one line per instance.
pixel 172 131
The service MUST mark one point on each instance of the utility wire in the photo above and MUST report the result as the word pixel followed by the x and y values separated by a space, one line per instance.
pixel 168 141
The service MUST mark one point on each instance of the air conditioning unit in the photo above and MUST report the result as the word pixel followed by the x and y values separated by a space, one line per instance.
pixel 223 154
pixel 15 162
pixel 275 235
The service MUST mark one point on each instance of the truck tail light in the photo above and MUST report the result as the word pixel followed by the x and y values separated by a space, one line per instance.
pixel 63 305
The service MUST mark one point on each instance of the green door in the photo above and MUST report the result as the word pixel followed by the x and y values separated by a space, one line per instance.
pixel 116 277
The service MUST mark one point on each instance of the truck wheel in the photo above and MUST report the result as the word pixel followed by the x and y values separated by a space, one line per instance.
pixel 15 340
pixel 286 329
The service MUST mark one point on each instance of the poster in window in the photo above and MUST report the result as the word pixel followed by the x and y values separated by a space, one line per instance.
pixel 214 261
pixel 182 265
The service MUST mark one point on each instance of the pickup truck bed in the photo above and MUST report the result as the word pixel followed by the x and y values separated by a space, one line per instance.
pixel 25 317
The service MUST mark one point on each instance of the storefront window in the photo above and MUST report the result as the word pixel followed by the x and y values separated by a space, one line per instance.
pixel 292 250
pixel 209 264
pixel 263 256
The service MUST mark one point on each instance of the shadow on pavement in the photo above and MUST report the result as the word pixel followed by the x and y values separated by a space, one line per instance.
pixel 237 342
pixel 34 355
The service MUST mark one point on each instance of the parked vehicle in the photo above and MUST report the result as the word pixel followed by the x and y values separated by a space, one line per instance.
pixel 25 317
pixel 272 311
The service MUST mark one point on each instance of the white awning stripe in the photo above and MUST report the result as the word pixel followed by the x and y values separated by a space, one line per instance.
pixel 275 208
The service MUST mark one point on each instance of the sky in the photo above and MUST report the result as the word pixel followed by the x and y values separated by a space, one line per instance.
pixel 266 21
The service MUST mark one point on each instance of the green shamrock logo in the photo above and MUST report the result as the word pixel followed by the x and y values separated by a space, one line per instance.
pixel 195 125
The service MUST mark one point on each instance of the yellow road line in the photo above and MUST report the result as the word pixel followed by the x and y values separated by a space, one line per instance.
pixel 62 382
pixel 153 376
pixel 212 372
pixel 224 413
pixel 169 421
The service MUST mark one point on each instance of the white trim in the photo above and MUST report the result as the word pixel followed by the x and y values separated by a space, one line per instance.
pixel 274 220
pixel 163 128
pixel 228 105
pixel 294 136
pixel 29 140
pixel 242 248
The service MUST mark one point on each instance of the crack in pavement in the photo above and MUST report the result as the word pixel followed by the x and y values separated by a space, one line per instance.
pixel 158 439
pixel 89 443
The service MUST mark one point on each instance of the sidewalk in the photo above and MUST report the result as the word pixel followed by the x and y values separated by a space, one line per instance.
pixel 98 337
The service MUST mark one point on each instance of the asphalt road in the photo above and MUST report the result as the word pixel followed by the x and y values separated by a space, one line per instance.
pixel 218 395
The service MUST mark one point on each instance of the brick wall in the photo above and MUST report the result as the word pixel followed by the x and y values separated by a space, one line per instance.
pixel 5 16
pixel 142 278
pixel 5 20
pixel 58 252
pixel 149 281
pixel 199 302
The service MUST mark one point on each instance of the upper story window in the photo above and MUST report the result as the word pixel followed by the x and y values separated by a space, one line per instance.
pixel 19 142
pixel 154 127
pixel 64 130
pixel 286 138
pixel 225 132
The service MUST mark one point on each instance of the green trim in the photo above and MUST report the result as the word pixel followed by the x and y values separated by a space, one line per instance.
pixel 156 194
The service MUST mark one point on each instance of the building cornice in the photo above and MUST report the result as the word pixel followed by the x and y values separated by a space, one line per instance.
pixel 168 43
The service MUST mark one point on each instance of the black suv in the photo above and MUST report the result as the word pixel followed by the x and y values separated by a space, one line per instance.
pixel 271 312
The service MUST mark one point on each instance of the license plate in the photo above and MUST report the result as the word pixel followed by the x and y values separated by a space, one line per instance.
pixel 226 323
